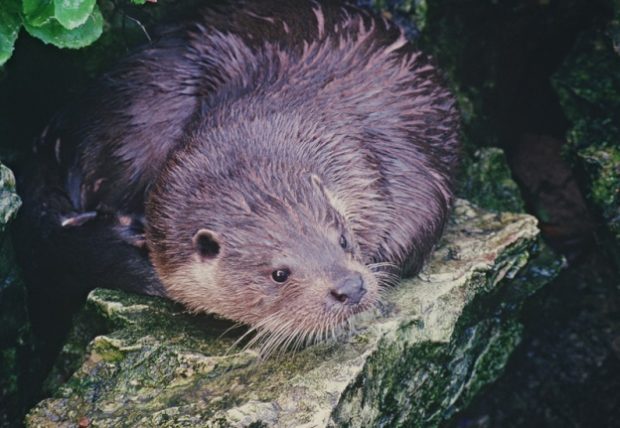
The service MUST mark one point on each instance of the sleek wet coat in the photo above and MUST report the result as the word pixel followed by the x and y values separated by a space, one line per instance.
pixel 235 112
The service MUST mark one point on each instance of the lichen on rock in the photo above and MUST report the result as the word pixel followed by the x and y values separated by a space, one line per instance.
pixel 413 362
pixel 9 201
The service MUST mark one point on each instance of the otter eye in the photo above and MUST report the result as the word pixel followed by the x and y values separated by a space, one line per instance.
pixel 343 242
pixel 280 275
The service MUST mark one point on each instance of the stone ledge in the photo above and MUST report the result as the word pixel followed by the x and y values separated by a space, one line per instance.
pixel 437 341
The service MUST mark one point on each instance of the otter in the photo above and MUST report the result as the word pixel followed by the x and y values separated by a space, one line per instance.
pixel 276 163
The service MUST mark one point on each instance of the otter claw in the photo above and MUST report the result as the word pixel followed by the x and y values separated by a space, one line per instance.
pixel 79 219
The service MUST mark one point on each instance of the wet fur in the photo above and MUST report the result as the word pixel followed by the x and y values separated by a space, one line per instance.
pixel 254 115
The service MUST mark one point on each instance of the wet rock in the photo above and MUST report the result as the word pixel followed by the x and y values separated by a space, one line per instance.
pixel 487 181
pixel 565 372
pixel 423 356
pixel 13 314
pixel 588 84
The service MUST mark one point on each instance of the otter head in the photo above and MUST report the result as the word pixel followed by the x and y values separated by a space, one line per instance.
pixel 264 246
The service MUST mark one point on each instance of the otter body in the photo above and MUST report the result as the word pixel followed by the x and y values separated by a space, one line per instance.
pixel 271 162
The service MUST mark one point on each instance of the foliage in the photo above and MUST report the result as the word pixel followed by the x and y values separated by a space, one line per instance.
pixel 63 23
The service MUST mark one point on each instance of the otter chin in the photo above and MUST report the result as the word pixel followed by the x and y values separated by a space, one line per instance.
pixel 277 163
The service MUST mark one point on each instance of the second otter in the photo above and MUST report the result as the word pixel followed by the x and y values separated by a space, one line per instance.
pixel 283 159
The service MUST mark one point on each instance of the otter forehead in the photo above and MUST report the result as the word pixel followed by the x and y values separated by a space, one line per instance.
pixel 288 233
pixel 245 184
pixel 286 242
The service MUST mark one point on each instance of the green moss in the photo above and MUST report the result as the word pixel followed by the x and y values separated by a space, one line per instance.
pixel 603 166
pixel 429 382
pixel 588 85
pixel 486 180
pixel 105 349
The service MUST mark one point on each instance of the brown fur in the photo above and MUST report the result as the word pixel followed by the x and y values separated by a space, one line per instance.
pixel 278 129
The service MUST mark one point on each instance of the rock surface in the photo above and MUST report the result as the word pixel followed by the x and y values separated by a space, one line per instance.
pixel 486 180
pixel 588 84
pixel 13 314
pixel 438 339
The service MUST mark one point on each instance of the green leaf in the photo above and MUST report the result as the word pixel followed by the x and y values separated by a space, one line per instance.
pixel 10 22
pixel 73 13
pixel 69 13
pixel 138 1
pixel 56 34
pixel 38 12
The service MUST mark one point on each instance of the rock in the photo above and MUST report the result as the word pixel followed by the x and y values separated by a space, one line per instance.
pixel 566 367
pixel 414 362
pixel 409 14
pixel 486 180
pixel 588 85
pixel 13 313
pixel 9 201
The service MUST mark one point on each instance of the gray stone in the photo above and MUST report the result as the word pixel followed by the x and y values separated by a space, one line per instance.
pixel 437 340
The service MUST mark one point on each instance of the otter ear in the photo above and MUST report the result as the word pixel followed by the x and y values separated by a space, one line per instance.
pixel 206 244
pixel 337 203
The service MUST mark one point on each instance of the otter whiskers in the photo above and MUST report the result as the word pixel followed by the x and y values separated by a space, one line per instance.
pixel 277 333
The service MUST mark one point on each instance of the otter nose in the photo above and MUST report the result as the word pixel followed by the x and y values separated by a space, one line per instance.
pixel 349 290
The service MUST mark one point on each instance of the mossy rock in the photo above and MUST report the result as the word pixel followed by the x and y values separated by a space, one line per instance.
pixel 486 180
pixel 13 314
pixel 414 362
pixel 588 85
